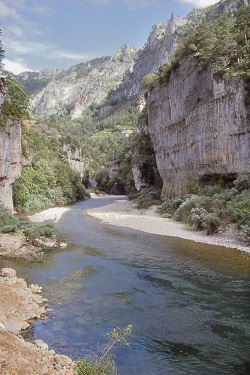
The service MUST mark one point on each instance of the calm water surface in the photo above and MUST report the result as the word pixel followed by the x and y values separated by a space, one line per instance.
pixel 189 303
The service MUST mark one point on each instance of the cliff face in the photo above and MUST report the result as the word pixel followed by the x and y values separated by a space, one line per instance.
pixel 199 125
pixel 73 90
pixel 10 160
pixel 75 159
pixel 161 42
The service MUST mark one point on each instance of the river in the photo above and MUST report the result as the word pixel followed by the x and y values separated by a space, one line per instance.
pixel 188 303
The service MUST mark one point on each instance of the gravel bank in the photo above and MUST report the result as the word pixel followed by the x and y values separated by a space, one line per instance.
pixel 124 213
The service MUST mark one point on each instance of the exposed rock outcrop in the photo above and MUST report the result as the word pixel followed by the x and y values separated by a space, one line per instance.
pixel 20 303
pixel 199 125
pixel 10 159
pixel 75 159
pixel 75 89
pixel 161 42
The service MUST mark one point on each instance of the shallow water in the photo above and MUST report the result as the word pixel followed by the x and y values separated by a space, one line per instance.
pixel 189 303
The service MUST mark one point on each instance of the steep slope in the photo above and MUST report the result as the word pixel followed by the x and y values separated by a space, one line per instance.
pixel 10 154
pixel 198 130
pixel 73 90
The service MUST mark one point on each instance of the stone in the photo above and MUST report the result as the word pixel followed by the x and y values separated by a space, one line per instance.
pixel 36 289
pixel 10 159
pixel 41 345
pixel 8 272
pixel 63 360
pixel 198 130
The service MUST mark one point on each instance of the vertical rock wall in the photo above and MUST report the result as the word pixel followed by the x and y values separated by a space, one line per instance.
pixel 10 159
pixel 199 125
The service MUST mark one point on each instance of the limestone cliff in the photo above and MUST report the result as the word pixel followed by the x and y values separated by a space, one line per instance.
pixel 73 90
pixel 200 126
pixel 162 41
pixel 10 159
pixel 75 159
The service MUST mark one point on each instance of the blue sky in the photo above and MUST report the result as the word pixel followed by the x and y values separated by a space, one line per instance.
pixel 51 34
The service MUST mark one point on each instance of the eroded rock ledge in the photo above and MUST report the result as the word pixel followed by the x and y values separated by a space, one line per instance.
pixel 19 303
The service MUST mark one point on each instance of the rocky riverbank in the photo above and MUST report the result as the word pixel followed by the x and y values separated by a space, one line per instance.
pixel 19 305
pixel 17 245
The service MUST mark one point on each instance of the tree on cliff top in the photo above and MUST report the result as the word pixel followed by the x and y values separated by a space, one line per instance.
pixel 16 102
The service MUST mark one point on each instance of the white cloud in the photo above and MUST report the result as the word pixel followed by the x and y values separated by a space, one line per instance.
pixel 10 9
pixel 200 3
pixel 15 67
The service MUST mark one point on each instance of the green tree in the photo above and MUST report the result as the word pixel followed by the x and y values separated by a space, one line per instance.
pixel 149 81
pixel 16 102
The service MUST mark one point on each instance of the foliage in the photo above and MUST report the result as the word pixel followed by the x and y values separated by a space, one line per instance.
pixel 197 216
pixel 50 180
pixel 8 223
pixel 146 198
pixel 36 231
pixel 149 81
pixel 223 43
pixel 103 363
pixel 16 102
pixel 214 206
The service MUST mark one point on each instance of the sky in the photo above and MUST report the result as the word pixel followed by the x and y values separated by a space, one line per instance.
pixel 56 34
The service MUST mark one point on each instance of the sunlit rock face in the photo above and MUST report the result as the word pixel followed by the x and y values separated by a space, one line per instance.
pixel 72 91
pixel 199 125
pixel 10 159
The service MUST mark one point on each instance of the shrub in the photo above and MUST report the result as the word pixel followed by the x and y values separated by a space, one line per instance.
pixel 9 228
pixel 185 208
pixel 245 232
pixel 211 223
pixel 7 220
pixel 103 363
pixel 171 205
pixel 243 181
pixel 36 231
pixel 240 207
pixel 197 216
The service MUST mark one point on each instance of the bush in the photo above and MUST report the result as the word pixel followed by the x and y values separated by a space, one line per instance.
pixel 211 223
pixel 171 205
pixel 103 363
pixel 36 231
pixel 245 232
pixel 240 207
pixel 9 228
pixel 185 208
pixel 197 216
pixel 243 181
pixel 8 223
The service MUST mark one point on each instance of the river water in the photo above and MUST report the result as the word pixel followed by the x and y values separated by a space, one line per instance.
pixel 188 303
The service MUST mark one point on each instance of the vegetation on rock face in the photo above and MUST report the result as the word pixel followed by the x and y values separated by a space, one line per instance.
pixel 16 102
pixel 224 43
pixel 49 181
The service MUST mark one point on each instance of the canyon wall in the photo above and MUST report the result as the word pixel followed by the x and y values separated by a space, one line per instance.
pixel 10 160
pixel 200 126
pixel 10 154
